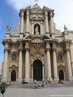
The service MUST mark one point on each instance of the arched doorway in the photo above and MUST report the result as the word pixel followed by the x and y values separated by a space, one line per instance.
pixel 13 75
pixel 37 70
pixel 61 75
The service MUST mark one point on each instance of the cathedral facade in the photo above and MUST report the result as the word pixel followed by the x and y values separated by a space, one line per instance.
pixel 36 50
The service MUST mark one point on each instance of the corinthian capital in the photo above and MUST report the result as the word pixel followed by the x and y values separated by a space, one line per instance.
pixel 54 46
pixel 51 14
pixel 47 47
pixel 6 46
pixel 46 13
pixel 27 46
pixel 22 12
pixel 20 46
pixel 67 47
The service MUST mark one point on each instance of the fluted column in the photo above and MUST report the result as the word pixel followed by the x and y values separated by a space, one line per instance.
pixel 27 21
pixel 51 22
pixel 5 65
pixel 27 63
pixel 46 22
pixel 69 68
pixel 20 62
pixel 48 62
pixel 55 63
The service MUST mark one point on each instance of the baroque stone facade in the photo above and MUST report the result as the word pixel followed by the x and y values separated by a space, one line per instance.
pixel 36 50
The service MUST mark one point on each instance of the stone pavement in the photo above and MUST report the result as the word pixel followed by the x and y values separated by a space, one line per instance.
pixel 43 92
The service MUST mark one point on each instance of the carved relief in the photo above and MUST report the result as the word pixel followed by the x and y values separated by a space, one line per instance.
pixel 37 52
pixel 37 17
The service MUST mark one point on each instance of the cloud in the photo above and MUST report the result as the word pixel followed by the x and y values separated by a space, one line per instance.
pixel 18 4
pixel 63 10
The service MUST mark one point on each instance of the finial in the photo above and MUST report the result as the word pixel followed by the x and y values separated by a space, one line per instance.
pixel 65 28
pixel 8 28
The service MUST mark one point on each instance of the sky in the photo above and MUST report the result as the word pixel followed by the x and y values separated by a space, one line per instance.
pixel 9 10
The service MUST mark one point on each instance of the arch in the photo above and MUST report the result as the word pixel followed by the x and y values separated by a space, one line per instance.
pixel 37 70
pixel 37 57
pixel 36 29
pixel 13 75
pixel 61 75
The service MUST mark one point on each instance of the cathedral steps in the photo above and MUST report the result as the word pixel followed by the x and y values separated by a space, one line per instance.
pixel 40 85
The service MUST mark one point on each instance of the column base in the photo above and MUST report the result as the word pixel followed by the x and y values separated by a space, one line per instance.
pixel 70 79
pixel 50 79
pixel 4 79
pixel 26 79
pixel 27 33
pixel 20 80
pixel 47 34
pixel 53 35
pixel 56 79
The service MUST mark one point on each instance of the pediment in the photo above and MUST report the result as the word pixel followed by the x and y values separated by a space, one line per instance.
pixel 13 66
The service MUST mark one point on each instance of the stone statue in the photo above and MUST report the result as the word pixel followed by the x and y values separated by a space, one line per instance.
pixel 65 28
pixel 8 28
pixel 36 30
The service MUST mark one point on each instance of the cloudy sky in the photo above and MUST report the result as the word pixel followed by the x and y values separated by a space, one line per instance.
pixel 9 10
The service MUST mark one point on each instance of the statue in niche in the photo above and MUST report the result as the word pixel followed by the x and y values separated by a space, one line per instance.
pixel 37 30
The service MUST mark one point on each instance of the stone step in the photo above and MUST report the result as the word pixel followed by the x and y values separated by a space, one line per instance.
pixel 39 84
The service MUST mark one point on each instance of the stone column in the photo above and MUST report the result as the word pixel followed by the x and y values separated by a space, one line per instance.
pixel 48 62
pixel 46 22
pixel 20 63
pixel 22 21
pixel 27 63
pixel 69 68
pixel 27 21
pixel 5 67
pixel 32 31
pixel 31 73
pixel 55 63
pixel 41 32
pixel 51 22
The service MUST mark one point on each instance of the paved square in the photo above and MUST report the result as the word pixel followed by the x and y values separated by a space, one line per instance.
pixel 43 92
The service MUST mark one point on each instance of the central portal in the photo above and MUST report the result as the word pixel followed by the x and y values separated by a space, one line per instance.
pixel 37 70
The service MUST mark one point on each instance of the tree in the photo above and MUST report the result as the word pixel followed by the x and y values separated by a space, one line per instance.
pixel 3 87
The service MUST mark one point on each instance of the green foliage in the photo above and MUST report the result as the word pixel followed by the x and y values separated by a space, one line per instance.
pixel 3 87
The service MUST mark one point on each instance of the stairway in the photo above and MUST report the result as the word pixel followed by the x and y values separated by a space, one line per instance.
pixel 40 85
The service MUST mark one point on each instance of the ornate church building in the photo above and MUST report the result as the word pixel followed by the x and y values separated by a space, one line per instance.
pixel 36 50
